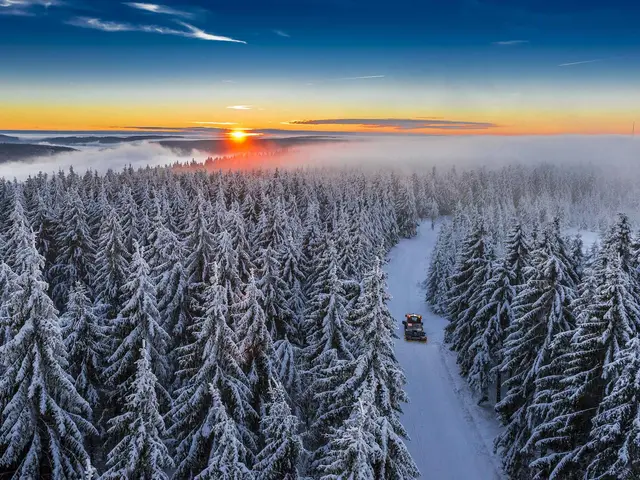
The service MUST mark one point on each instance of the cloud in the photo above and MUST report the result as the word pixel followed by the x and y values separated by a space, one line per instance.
pixel 399 123
pixel 511 42
pixel 365 77
pixel 281 33
pixel 215 123
pixel 582 62
pixel 195 32
pixel 25 7
pixel 161 9
pixel 240 107
pixel 108 26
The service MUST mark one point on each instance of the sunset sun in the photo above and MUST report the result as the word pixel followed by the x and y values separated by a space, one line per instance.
pixel 238 135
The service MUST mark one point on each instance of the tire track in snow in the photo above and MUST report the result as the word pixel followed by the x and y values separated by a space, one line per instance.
pixel 466 412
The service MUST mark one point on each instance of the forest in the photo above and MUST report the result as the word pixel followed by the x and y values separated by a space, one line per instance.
pixel 547 330
pixel 163 323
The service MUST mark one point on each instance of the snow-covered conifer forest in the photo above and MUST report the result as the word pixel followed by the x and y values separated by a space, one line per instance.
pixel 234 325
pixel 546 329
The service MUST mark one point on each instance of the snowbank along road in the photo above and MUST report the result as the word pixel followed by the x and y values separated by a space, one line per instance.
pixel 451 436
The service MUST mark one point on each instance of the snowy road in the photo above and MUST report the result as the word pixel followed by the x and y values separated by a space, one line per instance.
pixel 451 437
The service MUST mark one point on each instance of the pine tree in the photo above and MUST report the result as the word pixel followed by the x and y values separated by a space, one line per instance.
pixel 614 443
pixel 286 359
pixel 8 287
pixel 140 429
pixel 210 373
pixel 275 295
pixel 494 318
pixel 137 323
pixel 406 213
pixel 85 341
pixel 466 299
pixel 606 324
pixel 166 258
pixel 76 249
pixel 280 455
pixel 17 252
pixel 44 420
pixel 112 264
pixel 432 211
pixel 200 244
pixel 352 449
pixel 256 346
pixel 226 460
pixel 440 269
pixel 542 312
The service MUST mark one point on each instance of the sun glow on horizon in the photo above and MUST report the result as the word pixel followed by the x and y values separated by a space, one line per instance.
pixel 241 135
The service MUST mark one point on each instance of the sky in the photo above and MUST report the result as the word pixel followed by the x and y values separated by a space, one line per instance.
pixel 498 67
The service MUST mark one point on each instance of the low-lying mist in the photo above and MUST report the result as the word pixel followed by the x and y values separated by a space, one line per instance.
pixel 615 154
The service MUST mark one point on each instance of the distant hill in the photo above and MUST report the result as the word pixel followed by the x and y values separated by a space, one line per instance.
pixel 106 140
pixel 8 139
pixel 227 147
pixel 20 152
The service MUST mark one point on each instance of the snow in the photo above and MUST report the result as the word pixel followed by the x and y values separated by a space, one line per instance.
pixel 451 437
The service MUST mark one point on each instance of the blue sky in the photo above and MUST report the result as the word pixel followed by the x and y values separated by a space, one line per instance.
pixel 485 60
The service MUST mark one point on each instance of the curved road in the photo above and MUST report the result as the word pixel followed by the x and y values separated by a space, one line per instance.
pixel 450 436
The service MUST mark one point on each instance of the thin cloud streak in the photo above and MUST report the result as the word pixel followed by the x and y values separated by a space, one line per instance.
pixel 511 42
pixel 580 63
pixel 108 26
pixel 215 123
pixel 24 7
pixel 240 107
pixel 161 9
pixel 365 77
pixel 282 34
pixel 399 123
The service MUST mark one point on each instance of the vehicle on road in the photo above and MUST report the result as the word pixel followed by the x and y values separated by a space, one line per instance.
pixel 413 328
pixel 415 333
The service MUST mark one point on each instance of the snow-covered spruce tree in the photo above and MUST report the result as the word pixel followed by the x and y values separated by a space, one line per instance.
pixel 44 421
pixel 352 449
pixel 238 229
pixel 406 213
pixel 227 452
pixel 75 247
pixel 329 335
pixel 605 327
pixel 613 449
pixel 291 261
pixel 44 225
pixel 200 243
pixel 286 364
pixel 112 264
pixel 440 269
pixel 541 313
pixel 465 298
pixel 228 265
pixel 282 447
pixel 85 340
pixel 137 323
pixel 256 344
pixel 211 374
pixel 166 259
pixel 275 295
pixel 18 238
pixel 140 451
pixel 128 211
pixel 432 211
pixel 494 318
pixel 376 368
pixel 577 254
pixel 8 287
